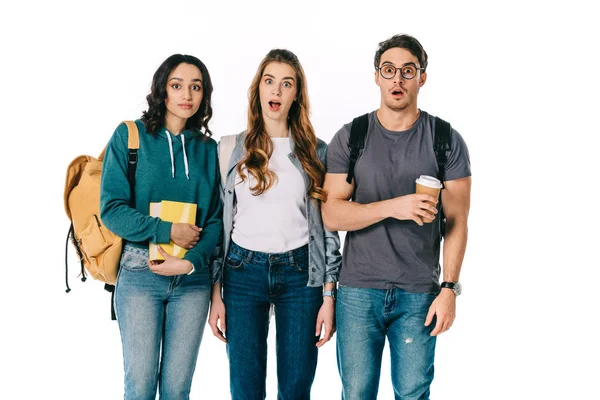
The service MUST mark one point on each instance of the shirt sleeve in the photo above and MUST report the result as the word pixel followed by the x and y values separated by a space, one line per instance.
pixel 459 163
pixel 338 152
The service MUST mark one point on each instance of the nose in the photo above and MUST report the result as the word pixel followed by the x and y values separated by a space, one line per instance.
pixel 398 76
pixel 276 90
pixel 187 93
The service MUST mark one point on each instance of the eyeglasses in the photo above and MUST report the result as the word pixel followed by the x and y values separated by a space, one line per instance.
pixel 408 71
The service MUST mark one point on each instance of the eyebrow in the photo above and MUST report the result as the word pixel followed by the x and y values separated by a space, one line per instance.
pixel 181 80
pixel 287 77
pixel 403 65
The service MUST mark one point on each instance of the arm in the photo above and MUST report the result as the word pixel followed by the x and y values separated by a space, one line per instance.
pixel 216 319
pixel 211 231
pixel 340 214
pixel 115 209
pixel 456 201
pixel 326 317
pixel 216 263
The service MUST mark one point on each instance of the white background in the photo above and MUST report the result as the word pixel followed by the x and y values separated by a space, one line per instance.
pixel 519 81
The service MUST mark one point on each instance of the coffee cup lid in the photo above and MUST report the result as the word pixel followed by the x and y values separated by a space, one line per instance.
pixel 429 181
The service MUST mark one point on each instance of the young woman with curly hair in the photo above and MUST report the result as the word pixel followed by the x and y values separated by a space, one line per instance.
pixel 161 308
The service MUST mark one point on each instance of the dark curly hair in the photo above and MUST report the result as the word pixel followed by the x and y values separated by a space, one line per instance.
pixel 404 42
pixel 154 118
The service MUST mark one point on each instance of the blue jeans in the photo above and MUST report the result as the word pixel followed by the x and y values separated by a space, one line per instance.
pixel 161 319
pixel 364 318
pixel 252 281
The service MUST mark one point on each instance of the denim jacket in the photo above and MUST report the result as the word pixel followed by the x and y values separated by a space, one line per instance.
pixel 324 259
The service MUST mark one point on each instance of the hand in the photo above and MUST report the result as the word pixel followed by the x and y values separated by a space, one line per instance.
pixel 171 266
pixel 444 308
pixel 185 235
pixel 326 317
pixel 413 206
pixel 216 320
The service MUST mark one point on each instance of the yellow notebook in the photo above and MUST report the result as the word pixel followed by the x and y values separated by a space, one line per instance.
pixel 172 211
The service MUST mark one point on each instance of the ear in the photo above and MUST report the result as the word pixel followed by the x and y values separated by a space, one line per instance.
pixel 376 76
pixel 422 79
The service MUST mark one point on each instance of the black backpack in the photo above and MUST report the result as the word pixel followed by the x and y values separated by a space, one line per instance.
pixel 441 147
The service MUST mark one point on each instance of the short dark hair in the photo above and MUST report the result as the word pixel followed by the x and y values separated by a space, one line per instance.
pixel 154 118
pixel 404 42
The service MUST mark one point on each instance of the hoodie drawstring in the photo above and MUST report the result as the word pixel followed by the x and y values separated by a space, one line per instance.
pixel 171 151
pixel 185 160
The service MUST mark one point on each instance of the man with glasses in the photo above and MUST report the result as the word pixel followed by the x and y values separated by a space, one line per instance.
pixel 389 282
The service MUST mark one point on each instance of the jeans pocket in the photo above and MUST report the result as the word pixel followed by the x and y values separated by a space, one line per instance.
pixel 134 262
pixel 301 264
pixel 234 261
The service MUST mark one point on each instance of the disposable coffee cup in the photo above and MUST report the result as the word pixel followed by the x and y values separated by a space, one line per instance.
pixel 431 186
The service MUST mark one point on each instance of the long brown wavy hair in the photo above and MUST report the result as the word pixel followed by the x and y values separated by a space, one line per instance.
pixel 259 146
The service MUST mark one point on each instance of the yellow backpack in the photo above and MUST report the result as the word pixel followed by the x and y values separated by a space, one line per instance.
pixel 98 249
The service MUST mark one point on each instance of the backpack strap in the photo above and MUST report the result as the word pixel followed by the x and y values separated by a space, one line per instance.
pixel 226 145
pixel 358 133
pixel 133 144
pixel 441 147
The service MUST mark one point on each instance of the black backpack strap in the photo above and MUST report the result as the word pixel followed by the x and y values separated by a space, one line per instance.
pixel 67 258
pixel 358 133
pixel 441 147
pixel 73 239
pixel 111 289
pixel 132 159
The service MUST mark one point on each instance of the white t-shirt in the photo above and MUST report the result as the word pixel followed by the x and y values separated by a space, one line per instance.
pixel 275 221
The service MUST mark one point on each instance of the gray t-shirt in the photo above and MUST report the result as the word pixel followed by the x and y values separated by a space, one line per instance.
pixel 393 253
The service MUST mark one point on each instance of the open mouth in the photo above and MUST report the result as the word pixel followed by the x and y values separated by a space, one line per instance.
pixel 397 92
pixel 274 105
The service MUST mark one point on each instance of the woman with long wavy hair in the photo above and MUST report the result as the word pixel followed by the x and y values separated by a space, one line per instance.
pixel 276 251
pixel 161 308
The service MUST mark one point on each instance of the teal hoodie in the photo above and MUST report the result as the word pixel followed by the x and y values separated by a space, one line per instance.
pixel 183 169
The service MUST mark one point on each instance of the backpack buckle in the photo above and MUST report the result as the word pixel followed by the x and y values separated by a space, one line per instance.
pixel 132 157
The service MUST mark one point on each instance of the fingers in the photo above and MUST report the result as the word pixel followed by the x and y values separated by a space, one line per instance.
pixel 222 324
pixel 427 198
pixel 438 328
pixel 213 322
pixel 196 228
pixel 442 325
pixel 326 336
pixel 319 326
pixel 443 321
pixel 217 332
pixel 430 315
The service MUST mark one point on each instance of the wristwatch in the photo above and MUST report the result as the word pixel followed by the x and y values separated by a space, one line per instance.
pixel 331 293
pixel 455 286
